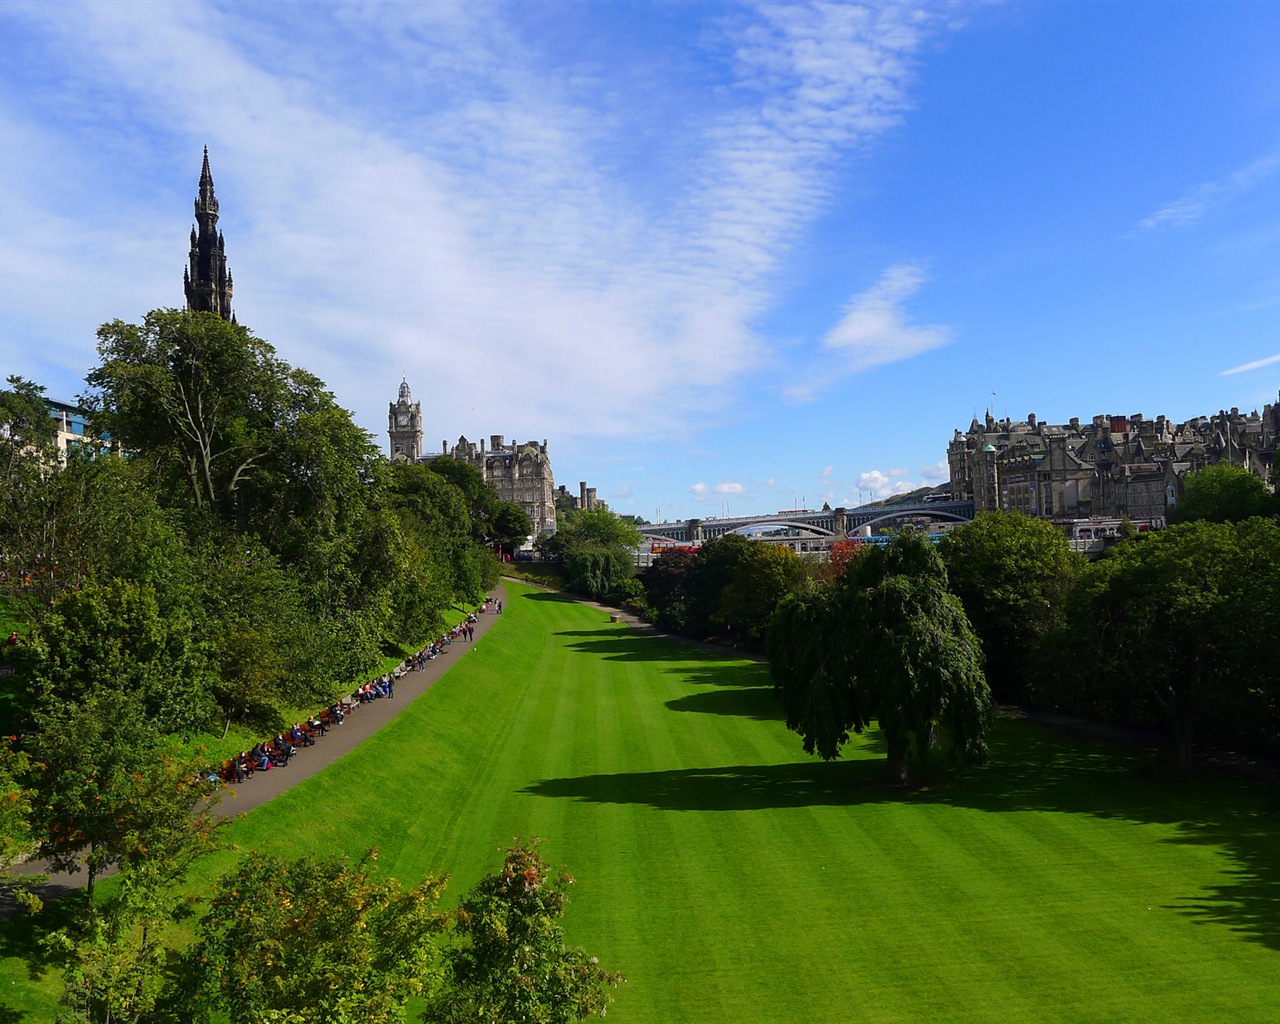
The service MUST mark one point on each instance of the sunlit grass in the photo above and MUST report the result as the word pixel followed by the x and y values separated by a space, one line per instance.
pixel 731 878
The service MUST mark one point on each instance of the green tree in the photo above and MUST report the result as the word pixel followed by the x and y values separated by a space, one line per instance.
pixel 511 525
pixel 314 941
pixel 765 575
pixel 665 585
pixel 889 642
pixel 16 839
pixel 1012 574
pixel 1222 494
pixel 597 550
pixel 480 497
pixel 1173 621
pixel 27 431
pixel 201 400
pixel 108 790
pixel 113 641
pixel 116 962
pixel 511 962
pixel 715 564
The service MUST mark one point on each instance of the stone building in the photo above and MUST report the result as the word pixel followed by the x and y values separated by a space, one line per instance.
pixel 207 281
pixel 584 499
pixel 1112 466
pixel 404 426
pixel 519 472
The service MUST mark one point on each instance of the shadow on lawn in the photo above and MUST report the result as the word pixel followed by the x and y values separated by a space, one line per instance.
pixel 1032 770
pixel 546 595
pixel 755 702
pixel 611 644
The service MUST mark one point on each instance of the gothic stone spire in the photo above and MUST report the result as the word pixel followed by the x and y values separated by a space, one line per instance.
pixel 207 281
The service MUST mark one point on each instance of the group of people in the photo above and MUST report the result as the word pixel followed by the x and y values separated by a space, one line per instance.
pixel 464 631
pixel 276 751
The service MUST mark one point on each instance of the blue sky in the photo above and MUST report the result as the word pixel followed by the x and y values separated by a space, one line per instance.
pixel 723 257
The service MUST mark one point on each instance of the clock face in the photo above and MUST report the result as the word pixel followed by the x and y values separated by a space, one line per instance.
pixel 402 419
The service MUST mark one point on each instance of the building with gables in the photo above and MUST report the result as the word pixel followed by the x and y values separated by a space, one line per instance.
pixel 1112 466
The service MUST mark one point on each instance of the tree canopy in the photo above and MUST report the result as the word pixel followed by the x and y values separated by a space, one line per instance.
pixel 1012 573
pixel 1223 494
pixel 1172 621
pixel 886 642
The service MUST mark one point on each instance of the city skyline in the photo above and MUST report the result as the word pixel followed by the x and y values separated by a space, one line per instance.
pixel 721 256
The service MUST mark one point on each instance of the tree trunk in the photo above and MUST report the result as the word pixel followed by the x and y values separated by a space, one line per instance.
pixel 896 773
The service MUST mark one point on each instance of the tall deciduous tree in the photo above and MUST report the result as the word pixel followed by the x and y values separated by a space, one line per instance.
pixel 108 790
pixel 114 643
pixel 596 548
pixel 664 585
pixel 713 568
pixel 766 574
pixel 27 431
pixel 1175 619
pixel 1012 574
pixel 886 642
pixel 200 399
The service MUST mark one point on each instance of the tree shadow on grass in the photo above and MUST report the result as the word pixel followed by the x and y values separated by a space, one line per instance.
pixel 753 702
pixel 753 676
pixel 1032 770
pixel 611 644
pixel 547 595
pixel 21 932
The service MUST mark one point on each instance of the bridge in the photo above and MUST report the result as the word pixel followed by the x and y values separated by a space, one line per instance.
pixel 805 529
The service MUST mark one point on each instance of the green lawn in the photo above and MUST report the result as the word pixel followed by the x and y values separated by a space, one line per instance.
pixel 733 879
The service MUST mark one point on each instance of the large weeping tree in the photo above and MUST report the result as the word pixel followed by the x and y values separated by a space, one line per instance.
pixel 888 643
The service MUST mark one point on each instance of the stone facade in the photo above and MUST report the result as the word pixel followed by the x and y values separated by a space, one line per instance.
pixel 404 426
pixel 1112 466
pixel 519 472
pixel 584 499
pixel 207 281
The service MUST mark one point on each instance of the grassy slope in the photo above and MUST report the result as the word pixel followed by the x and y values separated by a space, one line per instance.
pixel 733 879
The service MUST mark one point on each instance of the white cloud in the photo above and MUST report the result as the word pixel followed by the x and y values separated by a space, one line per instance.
pixel 1257 364
pixel 936 473
pixel 418 186
pixel 884 485
pixel 771 482
pixel 699 490
pixel 1196 202
pixel 827 471
pixel 874 330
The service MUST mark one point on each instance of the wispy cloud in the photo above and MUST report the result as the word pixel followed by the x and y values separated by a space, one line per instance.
pixel 422 186
pixel 936 473
pixel 1196 202
pixel 729 487
pixel 1257 364
pixel 875 329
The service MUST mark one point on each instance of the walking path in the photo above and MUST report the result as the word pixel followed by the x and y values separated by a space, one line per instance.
pixel 360 724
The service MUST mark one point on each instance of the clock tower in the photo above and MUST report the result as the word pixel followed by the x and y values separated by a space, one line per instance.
pixel 404 426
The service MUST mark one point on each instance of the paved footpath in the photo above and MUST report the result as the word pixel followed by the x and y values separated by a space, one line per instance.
pixel 361 723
